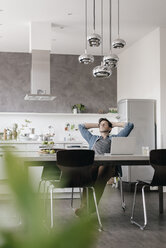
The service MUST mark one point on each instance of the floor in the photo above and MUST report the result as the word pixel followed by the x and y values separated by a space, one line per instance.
pixel 118 232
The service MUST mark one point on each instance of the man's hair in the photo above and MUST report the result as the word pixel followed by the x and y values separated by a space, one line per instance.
pixel 104 119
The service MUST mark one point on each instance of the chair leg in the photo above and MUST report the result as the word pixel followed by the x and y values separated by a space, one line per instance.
pixel 122 194
pixel 133 207
pixel 97 211
pixel 80 193
pixel 144 208
pixel 72 196
pixel 87 199
pixel 72 192
pixel 46 201
pixel 51 205
pixel 44 195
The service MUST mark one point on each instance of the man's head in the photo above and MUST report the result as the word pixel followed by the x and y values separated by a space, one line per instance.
pixel 105 126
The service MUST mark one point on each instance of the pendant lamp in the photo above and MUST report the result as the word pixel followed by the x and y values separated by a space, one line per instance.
pixel 94 39
pixel 118 43
pixel 111 59
pixel 102 71
pixel 86 58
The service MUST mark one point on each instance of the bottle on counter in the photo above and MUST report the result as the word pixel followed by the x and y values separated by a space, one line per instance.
pixel 5 134
pixel 14 133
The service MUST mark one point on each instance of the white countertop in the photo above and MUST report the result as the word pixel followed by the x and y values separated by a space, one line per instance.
pixel 37 142
pixel 19 142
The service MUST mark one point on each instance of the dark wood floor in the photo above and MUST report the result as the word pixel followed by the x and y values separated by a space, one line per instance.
pixel 118 231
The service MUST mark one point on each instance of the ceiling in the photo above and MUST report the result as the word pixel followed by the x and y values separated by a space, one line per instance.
pixel 137 18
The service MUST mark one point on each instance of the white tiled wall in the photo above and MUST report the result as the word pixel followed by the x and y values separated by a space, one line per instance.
pixel 41 122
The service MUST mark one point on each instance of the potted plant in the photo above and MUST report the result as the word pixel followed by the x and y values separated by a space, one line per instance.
pixel 78 108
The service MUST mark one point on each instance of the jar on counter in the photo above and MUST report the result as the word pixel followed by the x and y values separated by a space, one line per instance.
pixel 145 150
pixel 9 134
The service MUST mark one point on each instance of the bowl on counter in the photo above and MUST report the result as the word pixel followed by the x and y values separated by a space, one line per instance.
pixel 33 136
pixel 24 138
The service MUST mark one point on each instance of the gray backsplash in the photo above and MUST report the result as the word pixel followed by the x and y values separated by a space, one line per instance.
pixel 71 82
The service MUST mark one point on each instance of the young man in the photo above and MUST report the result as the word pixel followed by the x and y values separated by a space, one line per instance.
pixel 101 144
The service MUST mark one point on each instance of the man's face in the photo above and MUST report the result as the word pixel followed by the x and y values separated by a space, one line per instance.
pixel 104 127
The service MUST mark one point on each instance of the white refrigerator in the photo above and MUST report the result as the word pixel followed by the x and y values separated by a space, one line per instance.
pixel 142 112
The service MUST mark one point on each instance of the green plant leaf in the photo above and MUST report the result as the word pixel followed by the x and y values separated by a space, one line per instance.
pixel 33 233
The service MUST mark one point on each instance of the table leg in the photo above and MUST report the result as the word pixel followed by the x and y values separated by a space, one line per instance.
pixel 160 199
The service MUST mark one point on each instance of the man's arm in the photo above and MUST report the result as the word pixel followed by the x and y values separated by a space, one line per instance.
pixel 84 132
pixel 91 125
pixel 118 124
pixel 127 127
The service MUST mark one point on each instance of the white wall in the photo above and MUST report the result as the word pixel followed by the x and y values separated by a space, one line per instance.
pixel 163 85
pixel 139 72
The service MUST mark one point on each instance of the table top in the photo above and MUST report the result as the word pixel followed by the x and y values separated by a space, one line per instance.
pixel 121 159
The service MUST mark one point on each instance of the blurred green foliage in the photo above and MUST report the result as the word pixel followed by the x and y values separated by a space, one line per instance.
pixel 33 233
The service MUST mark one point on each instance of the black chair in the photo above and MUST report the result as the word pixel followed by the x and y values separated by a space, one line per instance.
pixel 76 167
pixel 158 162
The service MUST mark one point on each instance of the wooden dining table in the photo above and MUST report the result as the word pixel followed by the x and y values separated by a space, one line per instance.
pixel 106 160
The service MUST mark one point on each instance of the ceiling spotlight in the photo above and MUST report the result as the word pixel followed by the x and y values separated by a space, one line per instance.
pixel 94 39
pixel 102 71
pixel 118 43
pixel 86 58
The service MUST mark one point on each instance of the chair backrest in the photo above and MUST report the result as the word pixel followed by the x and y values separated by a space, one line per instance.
pixel 76 167
pixel 158 162
pixel 75 158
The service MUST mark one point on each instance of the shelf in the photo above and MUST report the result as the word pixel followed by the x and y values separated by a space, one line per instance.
pixel 58 114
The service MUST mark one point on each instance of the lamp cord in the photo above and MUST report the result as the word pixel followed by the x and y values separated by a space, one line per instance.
pixel 101 27
pixel 85 26
pixel 110 28
pixel 94 25
pixel 118 18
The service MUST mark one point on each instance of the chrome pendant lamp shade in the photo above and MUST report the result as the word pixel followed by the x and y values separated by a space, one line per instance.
pixel 94 39
pixel 86 58
pixel 111 59
pixel 102 71
pixel 118 43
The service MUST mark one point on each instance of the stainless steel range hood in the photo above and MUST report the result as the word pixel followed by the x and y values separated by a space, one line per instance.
pixel 40 77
